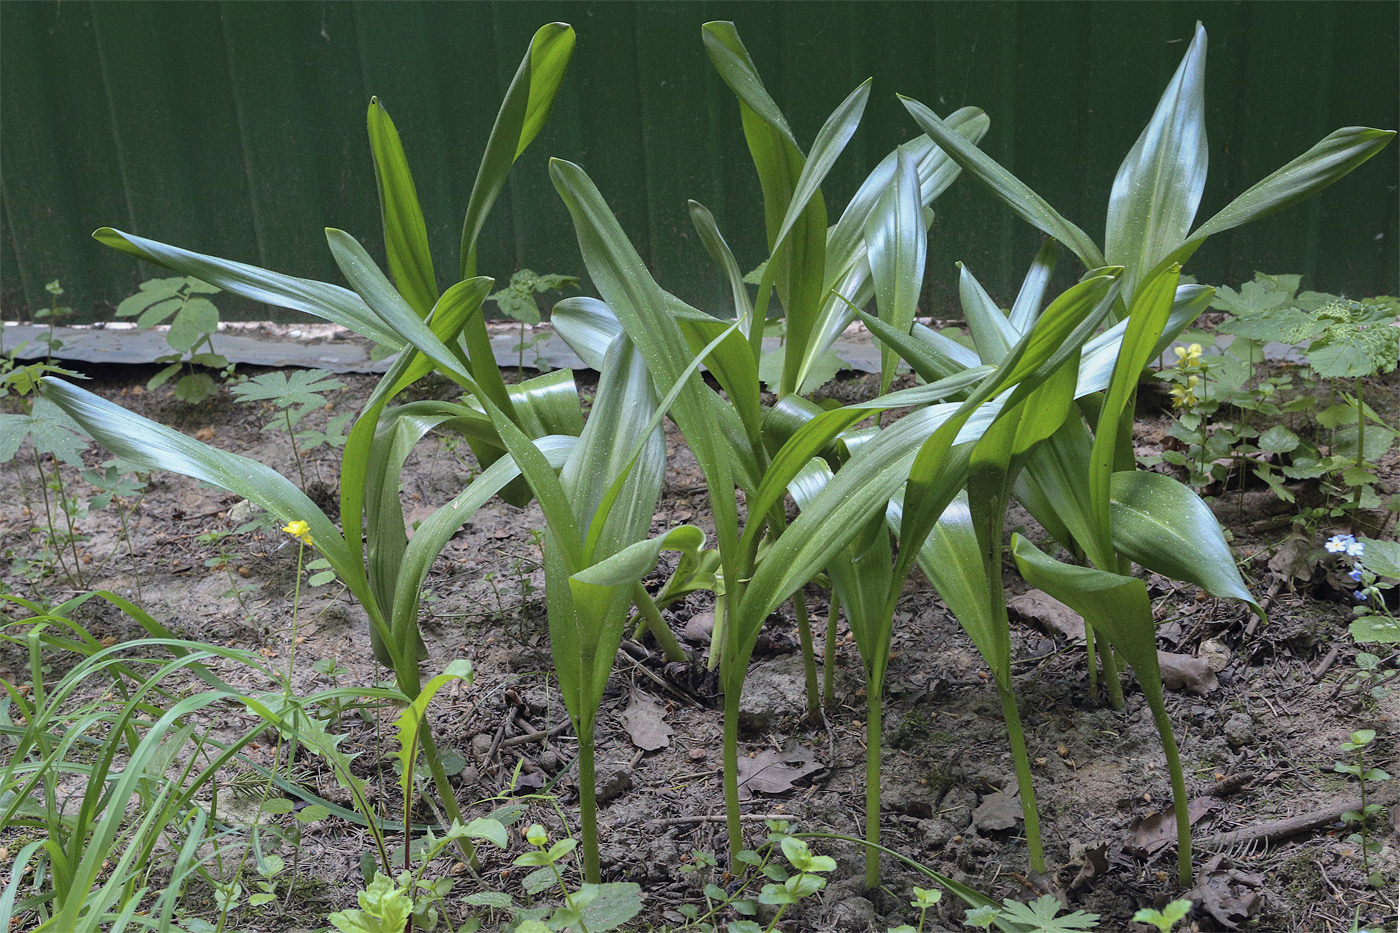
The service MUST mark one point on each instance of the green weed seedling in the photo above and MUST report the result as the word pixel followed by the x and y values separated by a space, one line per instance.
pixel 1166 918
pixel 57 438
pixel 193 325
pixel 1041 915
pixel 53 314
pixel 517 301
pixel 923 900
pixel 1358 743
pixel 294 396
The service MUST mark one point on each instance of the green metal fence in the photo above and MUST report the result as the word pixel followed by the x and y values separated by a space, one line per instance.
pixel 238 128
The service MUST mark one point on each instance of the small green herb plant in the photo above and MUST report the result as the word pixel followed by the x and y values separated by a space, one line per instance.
pixel 295 395
pixel 184 302
pixel 1231 422
pixel 1039 916
pixel 1358 742
pixel 1166 918
pixel 54 313
pixel 518 301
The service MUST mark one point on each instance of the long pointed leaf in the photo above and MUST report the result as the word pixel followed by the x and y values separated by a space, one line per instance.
pixel 405 233
pixel 1159 185
pixel 897 246
pixel 328 302
pixel 1015 193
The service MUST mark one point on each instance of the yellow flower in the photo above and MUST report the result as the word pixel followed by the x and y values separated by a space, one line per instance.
pixel 1183 397
pixel 299 530
pixel 1189 356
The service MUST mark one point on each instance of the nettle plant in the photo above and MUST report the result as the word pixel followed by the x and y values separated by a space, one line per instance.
pixel 183 301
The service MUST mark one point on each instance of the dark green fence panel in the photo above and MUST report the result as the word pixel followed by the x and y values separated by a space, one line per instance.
pixel 238 128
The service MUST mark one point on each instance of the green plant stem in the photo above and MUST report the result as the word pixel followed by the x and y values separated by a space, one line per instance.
pixel 296 454
pixel 1092 655
pixel 1024 784
pixel 731 775
pixel 872 782
pixel 1360 451
pixel 650 620
pixel 48 518
pixel 1110 674
pixel 809 661
pixel 833 616
pixel 1178 779
pixel 588 807
pixel 1361 777
pixel 68 520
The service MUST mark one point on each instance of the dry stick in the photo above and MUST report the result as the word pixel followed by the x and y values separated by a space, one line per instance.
pixel 718 818
pixel 1274 830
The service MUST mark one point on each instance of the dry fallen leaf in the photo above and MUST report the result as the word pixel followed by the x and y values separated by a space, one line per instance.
pixel 1047 613
pixel 997 811
pixel 205 434
pixel 645 722
pixel 1158 830
pixel 1184 670
pixel 771 772
pixel 1227 894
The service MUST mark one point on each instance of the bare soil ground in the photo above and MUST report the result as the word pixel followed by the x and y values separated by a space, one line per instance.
pixel 1257 747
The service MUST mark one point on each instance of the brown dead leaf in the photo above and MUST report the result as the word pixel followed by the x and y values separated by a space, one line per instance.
pixel 1047 613
pixel 997 811
pixel 1184 670
pixel 1294 560
pixel 1095 864
pixel 1158 830
pixel 645 722
pixel 771 772
pixel 1228 895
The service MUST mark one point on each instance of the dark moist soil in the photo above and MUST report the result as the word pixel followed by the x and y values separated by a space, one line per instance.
pixel 1257 747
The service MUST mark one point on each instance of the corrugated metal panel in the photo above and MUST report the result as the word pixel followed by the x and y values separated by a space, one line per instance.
pixel 237 128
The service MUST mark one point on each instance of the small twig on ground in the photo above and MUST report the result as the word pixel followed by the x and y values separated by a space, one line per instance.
pixel 717 818
pixel 1327 662
pixel 1275 830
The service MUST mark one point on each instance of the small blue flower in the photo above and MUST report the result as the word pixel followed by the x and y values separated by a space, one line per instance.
pixel 1339 543
pixel 1355 574
pixel 1356 549
pixel 1361 595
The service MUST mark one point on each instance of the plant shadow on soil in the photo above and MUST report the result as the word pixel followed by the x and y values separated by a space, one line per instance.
pixel 1258 747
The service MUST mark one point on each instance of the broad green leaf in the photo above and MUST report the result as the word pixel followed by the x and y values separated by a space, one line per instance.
pixel 328 302
pixel 405 233
pixel 1016 194
pixel 1113 604
pixel 1382 557
pixel 588 326
pixel 731 59
pixel 1165 527
pixel 897 244
pixel 1159 185
pixel 639 303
